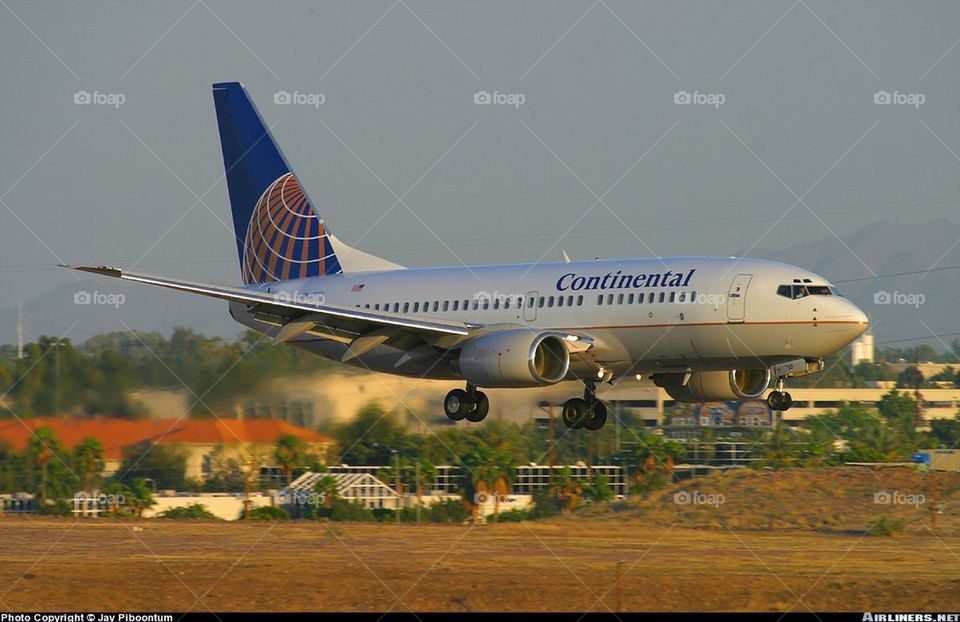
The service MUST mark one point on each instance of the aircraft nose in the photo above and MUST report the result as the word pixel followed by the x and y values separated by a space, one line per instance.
pixel 860 319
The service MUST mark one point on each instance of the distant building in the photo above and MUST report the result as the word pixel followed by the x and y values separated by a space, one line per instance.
pixel 359 487
pixel 198 438
pixel 862 349
pixel 722 417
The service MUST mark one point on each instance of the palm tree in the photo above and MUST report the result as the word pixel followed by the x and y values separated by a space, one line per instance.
pixel 41 447
pixel 116 493
pixel 88 456
pixel 291 452
pixel 141 497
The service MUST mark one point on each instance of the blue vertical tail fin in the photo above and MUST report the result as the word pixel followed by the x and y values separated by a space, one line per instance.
pixel 279 234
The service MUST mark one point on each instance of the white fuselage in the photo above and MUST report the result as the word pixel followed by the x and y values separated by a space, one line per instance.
pixel 642 315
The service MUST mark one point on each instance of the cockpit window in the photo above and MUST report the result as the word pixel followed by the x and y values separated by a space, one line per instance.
pixel 797 291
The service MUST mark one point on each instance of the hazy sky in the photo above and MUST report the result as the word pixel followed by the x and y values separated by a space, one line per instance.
pixel 598 159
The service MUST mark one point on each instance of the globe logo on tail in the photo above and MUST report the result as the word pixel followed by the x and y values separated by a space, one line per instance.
pixel 285 239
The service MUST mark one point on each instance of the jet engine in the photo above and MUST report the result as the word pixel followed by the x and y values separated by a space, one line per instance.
pixel 708 386
pixel 514 358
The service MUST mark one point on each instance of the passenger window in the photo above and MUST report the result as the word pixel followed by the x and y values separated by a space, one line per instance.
pixel 540 302
pixel 550 301
pixel 396 307
pixel 376 307
pixel 486 304
pixel 673 296
pixel 570 300
pixel 693 296
pixel 506 302
pixel 559 301
pixel 530 302
pixel 366 306
pixel 496 303
pixel 456 305
pixel 446 306
pixel 650 297
pixel 600 299
pixel 416 307
pixel 629 299
pixel 580 301
pixel 609 299
pixel 620 299
pixel 662 297
pixel 436 305
pixel 406 307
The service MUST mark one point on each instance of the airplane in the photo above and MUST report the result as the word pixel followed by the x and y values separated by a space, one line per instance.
pixel 702 328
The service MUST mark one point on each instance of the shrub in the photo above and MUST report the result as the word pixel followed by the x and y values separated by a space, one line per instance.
pixel 448 511
pixel 192 511
pixel 267 512
pixel 884 526
pixel 514 516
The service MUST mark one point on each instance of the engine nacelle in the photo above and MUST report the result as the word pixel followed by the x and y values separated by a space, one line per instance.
pixel 514 358
pixel 709 386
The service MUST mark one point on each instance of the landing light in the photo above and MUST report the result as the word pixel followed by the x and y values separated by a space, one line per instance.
pixel 572 338
pixel 601 373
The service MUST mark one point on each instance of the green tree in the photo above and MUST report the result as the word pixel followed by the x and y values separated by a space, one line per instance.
pixel 88 458
pixel 165 464
pixel 291 453
pixel 140 496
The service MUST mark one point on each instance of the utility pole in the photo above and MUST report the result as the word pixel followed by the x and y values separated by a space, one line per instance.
pixel 20 330
pixel 396 455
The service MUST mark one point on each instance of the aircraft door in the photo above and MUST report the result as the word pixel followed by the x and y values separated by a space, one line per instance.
pixel 737 297
pixel 530 306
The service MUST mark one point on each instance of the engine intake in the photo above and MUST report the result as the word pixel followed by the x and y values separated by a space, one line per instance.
pixel 708 386
pixel 514 358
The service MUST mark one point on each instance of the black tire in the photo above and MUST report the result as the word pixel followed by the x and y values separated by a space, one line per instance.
pixel 596 416
pixel 786 401
pixel 774 400
pixel 574 413
pixel 457 404
pixel 481 408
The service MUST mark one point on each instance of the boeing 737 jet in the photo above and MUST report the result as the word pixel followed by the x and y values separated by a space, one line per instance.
pixel 703 328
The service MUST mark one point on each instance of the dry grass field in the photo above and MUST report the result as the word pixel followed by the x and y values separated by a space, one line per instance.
pixel 670 556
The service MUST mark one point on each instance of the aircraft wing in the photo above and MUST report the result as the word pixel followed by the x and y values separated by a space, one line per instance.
pixel 363 329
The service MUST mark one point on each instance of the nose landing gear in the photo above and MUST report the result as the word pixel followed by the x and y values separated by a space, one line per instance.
pixel 471 404
pixel 588 412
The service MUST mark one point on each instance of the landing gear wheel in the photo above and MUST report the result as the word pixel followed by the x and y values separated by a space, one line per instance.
pixel 596 416
pixel 773 400
pixel 457 404
pixel 481 406
pixel 574 413
pixel 786 401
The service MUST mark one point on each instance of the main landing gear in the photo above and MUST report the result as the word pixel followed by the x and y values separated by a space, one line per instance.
pixel 471 404
pixel 778 398
pixel 588 412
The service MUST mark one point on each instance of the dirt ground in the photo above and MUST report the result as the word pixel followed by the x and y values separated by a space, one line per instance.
pixel 562 564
